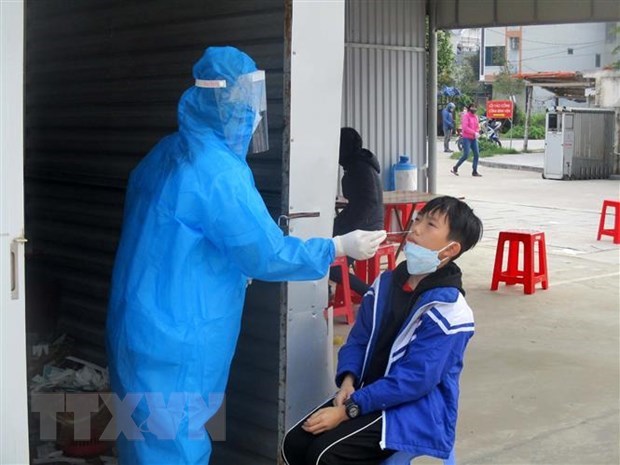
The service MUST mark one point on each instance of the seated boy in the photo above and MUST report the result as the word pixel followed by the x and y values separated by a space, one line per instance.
pixel 398 373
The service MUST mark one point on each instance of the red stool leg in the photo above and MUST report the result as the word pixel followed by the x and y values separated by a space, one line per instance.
pixel 542 261
pixel 617 223
pixel 361 269
pixel 373 267
pixel 405 214
pixel 528 265
pixel 346 291
pixel 342 302
pixel 387 217
pixel 601 223
pixel 499 258
pixel 419 206
pixel 513 270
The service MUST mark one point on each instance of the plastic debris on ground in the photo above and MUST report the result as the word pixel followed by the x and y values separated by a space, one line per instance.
pixel 72 374
pixel 52 370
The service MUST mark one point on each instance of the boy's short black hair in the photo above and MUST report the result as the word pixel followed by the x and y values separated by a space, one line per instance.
pixel 465 226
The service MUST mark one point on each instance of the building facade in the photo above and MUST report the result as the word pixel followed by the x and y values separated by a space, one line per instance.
pixel 579 48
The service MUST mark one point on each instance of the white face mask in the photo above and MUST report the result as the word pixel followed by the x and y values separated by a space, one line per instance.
pixel 421 260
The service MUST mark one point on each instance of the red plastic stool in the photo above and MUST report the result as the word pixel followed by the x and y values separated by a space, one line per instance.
pixel 343 306
pixel 526 275
pixel 419 206
pixel 403 211
pixel 615 231
pixel 368 270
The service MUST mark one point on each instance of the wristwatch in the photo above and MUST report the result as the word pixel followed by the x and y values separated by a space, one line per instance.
pixel 351 408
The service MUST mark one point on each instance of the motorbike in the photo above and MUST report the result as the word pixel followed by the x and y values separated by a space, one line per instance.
pixel 489 129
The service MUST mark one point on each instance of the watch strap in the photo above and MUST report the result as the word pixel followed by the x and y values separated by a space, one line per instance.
pixel 351 408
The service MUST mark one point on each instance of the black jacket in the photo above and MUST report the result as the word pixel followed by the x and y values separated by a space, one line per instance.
pixel 361 186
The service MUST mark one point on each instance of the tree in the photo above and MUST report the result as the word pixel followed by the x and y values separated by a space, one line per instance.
pixel 467 75
pixel 445 60
pixel 505 84
pixel 474 62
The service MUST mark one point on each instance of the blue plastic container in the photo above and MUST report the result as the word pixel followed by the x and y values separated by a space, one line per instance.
pixel 403 175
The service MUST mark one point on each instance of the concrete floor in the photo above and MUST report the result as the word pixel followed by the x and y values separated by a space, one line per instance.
pixel 541 379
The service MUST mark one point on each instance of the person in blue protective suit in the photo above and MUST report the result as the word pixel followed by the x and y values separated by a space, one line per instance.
pixel 195 231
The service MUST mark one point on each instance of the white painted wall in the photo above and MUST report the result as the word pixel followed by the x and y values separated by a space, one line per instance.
pixel 13 392
pixel 545 48
pixel 317 60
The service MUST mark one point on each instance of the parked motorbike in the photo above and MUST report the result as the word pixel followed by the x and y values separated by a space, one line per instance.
pixel 489 129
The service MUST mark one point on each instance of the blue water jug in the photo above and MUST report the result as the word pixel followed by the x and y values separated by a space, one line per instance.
pixel 404 175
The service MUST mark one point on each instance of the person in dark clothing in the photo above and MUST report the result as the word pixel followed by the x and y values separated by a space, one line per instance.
pixel 363 189
pixel 447 116
pixel 398 373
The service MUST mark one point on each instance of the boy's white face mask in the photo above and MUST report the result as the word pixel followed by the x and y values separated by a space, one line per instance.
pixel 421 260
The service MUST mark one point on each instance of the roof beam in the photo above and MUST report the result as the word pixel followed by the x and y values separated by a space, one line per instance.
pixel 456 14
pixel 562 84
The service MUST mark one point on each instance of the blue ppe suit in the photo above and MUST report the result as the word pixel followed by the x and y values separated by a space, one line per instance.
pixel 195 230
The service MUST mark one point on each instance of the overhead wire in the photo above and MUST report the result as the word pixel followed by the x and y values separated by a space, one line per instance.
pixel 562 44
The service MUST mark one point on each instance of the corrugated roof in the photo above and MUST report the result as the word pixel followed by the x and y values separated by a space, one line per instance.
pixel 567 84
pixel 456 14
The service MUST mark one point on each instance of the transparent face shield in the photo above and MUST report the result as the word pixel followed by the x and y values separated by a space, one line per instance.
pixel 248 96
pixel 260 130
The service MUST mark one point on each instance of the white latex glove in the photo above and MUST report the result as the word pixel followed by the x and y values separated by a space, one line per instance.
pixel 358 244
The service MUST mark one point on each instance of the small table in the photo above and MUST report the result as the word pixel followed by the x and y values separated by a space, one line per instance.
pixel 394 199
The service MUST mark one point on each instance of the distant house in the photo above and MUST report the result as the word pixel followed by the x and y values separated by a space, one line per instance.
pixel 465 42
pixel 526 50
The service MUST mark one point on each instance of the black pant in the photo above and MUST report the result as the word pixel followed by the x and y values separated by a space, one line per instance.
pixel 353 442
pixel 355 283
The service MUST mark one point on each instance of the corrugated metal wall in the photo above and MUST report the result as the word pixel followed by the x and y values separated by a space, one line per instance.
pixel 384 90
pixel 103 78
pixel 593 144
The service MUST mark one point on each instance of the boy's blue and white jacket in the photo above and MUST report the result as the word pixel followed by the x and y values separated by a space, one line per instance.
pixel 419 392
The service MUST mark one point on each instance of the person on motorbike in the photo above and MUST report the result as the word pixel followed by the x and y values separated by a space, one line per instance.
pixel 490 129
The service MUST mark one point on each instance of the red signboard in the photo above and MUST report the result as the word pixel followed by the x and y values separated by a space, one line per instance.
pixel 499 109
